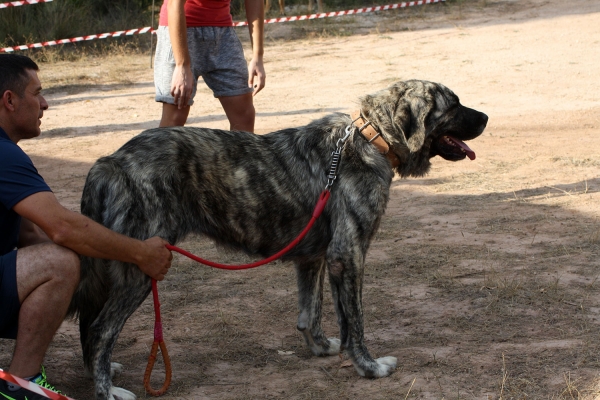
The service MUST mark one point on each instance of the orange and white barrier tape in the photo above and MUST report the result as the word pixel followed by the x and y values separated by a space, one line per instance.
pixel 77 39
pixel 346 12
pixel 32 387
pixel 22 3
pixel 267 21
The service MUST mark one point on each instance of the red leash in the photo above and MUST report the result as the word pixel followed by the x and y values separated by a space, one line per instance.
pixel 158 334
pixel 158 341
pixel 316 213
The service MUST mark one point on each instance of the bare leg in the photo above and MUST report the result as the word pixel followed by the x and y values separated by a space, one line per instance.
pixel 173 116
pixel 47 275
pixel 240 112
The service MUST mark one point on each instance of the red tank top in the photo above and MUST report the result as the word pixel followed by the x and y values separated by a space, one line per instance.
pixel 201 13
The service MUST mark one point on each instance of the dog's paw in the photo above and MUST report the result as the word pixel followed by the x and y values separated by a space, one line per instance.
pixel 115 369
pixel 334 346
pixel 331 347
pixel 383 367
pixel 117 393
pixel 387 365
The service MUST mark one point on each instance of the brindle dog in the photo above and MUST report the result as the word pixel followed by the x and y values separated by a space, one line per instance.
pixel 255 193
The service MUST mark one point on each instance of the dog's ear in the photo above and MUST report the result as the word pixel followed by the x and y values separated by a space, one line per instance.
pixel 418 106
pixel 400 112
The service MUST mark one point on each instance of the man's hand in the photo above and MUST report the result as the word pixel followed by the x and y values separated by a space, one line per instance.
pixel 157 259
pixel 182 81
pixel 256 75
pixel 182 85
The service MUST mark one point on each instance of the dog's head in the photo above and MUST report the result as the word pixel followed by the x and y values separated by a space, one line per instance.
pixel 421 120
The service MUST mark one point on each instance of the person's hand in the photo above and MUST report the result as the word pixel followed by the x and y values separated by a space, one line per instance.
pixel 156 258
pixel 256 75
pixel 182 84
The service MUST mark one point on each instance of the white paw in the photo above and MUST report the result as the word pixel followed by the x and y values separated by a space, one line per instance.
pixel 387 365
pixel 334 346
pixel 117 393
pixel 115 369
pixel 319 350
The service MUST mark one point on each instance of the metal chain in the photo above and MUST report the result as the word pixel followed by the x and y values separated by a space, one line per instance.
pixel 336 155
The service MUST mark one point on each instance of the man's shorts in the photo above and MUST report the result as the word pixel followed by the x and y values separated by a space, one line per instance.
pixel 216 55
pixel 9 296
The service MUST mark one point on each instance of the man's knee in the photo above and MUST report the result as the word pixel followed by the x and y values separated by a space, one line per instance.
pixel 240 112
pixel 173 116
pixel 49 259
pixel 65 267
pixel 243 121
pixel 47 264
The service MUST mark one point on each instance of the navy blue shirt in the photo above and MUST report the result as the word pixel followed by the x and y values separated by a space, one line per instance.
pixel 18 179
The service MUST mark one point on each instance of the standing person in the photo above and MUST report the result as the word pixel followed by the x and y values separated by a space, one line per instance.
pixel 40 240
pixel 196 38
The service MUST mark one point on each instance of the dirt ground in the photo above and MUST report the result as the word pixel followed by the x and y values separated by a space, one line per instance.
pixel 483 277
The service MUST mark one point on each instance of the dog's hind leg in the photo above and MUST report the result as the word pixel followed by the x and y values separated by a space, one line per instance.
pixel 102 335
pixel 88 302
pixel 310 298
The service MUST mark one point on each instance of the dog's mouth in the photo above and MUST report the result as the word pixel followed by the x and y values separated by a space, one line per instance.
pixel 453 149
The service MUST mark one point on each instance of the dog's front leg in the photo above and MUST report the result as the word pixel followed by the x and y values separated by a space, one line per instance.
pixel 310 299
pixel 346 277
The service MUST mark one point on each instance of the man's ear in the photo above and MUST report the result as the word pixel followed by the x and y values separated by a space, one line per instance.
pixel 8 100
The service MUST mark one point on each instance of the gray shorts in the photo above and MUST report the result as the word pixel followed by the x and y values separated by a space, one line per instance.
pixel 217 56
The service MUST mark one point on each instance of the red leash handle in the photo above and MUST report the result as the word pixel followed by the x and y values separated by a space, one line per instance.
pixel 158 342
pixel 316 213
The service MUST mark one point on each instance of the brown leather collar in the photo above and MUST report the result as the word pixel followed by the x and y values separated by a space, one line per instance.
pixel 374 137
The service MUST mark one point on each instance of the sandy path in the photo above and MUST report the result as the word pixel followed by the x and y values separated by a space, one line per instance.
pixel 483 277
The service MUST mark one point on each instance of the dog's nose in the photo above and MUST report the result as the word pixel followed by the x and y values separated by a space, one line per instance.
pixel 484 119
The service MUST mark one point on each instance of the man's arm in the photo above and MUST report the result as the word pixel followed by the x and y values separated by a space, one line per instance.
pixel 30 234
pixel 183 80
pixel 86 237
pixel 255 15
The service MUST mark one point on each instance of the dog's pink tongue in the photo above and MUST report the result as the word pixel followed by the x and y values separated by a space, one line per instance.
pixel 463 145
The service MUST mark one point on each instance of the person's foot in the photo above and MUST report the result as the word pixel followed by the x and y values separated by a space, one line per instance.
pixel 24 394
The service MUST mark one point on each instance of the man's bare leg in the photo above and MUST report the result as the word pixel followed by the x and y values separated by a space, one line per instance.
pixel 47 276
pixel 173 116
pixel 240 112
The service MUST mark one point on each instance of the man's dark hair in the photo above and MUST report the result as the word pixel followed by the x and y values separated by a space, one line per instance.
pixel 13 73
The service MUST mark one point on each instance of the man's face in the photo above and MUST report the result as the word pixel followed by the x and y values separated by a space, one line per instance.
pixel 29 109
